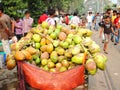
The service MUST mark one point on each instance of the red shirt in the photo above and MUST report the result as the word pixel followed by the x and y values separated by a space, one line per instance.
pixel 117 22
pixel 67 20
pixel 42 18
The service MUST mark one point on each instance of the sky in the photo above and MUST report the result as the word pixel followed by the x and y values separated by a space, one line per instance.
pixel 114 1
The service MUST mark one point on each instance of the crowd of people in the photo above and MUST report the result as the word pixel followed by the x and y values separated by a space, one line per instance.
pixel 110 27
pixel 108 24
pixel 18 27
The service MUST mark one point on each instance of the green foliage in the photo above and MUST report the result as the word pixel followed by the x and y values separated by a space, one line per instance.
pixel 36 7
pixel 14 7
pixel 114 5
pixel 107 7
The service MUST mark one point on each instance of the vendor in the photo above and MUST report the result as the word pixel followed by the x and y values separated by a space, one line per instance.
pixel 4 31
pixel 5 25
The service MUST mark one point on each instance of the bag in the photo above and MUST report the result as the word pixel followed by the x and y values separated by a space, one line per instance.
pixel 43 80
pixel 101 23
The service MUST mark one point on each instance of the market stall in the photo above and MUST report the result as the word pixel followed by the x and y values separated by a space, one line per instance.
pixel 55 58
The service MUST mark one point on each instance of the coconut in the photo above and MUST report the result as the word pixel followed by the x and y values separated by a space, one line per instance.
pixel 62 36
pixel 45 55
pixel 31 50
pixel 19 56
pixel 11 64
pixel 27 55
pixel 100 60
pixel 78 59
pixel 89 33
pixel 91 66
pixel 65 63
pixel 87 41
pixel 9 57
pixel 94 48
pixel 76 50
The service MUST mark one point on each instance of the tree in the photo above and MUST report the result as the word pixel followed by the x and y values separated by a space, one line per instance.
pixel 36 8
pixel 14 7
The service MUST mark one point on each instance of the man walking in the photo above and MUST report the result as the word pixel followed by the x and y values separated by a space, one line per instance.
pixel 89 20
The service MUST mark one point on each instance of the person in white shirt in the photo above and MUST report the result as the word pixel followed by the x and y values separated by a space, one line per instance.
pixel 50 19
pixel 56 18
pixel 61 20
pixel 75 20
pixel 27 23
pixel 89 20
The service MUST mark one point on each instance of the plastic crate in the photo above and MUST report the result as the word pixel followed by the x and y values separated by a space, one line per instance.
pixel 0 43
pixel 1 47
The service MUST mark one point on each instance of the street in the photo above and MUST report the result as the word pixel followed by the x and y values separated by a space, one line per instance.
pixel 108 79
pixel 103 80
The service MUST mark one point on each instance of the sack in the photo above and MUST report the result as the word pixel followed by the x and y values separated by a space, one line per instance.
pixel 101 23
pixel 43 80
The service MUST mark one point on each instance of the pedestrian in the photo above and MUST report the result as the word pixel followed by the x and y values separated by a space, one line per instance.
pixel 66 18
pixel 50 19
pixel 57 19
pixel 108 13
pixel 89 20
pixel 75 20
pixel 61 20
pixel 114 15
pixel 117 25
pixel 42 18
pixel 107 29
pixel 4 31
pixel 84 20
pixel 27 23
pixel 18 28
pixel 6 23
pixel 70 16
pixel 97 19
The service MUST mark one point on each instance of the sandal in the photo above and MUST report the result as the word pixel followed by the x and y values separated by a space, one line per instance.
pixel 103 49
pixel 105 52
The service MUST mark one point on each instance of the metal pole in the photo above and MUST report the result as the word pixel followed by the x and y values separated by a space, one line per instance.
pixel 98 5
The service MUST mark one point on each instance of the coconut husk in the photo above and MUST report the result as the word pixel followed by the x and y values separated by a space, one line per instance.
pixel 27 55
pixel 22 42
pixel 19 56
pixel 31 50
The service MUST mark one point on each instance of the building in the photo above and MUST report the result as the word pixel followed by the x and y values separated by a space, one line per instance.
pixel 118 3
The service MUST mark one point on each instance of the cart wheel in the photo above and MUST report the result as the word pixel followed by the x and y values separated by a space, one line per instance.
pixel 86 78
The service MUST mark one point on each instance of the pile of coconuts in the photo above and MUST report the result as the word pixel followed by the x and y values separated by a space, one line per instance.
pixel 57 49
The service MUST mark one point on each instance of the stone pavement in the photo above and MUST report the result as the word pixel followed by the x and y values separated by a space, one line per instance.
pixel 8 79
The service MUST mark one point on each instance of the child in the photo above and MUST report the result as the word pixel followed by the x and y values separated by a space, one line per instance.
pixel 107 29
pixel 18 28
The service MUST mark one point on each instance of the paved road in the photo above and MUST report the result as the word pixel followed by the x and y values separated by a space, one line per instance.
pixel 110 78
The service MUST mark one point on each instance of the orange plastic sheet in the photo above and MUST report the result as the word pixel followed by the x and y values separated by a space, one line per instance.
pixel 43 80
